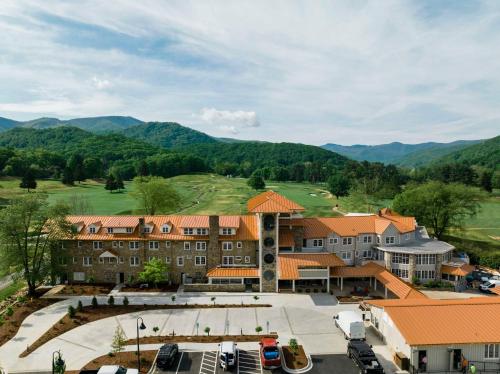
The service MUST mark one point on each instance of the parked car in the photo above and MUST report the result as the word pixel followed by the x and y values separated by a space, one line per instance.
pixel 166 356
pixel 364 357
pixel 228 354
pixel 269 354
pixel 487 286
pixel 115 369
pixel 351 324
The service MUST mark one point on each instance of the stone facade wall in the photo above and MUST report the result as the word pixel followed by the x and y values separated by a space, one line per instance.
pixel 204 287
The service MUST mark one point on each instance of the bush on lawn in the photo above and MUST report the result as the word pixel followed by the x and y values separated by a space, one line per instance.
pixel 125 301
pixel 71 311
pixel 79 307
pixel 111 300
pixel 94 302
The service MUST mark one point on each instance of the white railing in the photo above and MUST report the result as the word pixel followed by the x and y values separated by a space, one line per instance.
pixel 313 273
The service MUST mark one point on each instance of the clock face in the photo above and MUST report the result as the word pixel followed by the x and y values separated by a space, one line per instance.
pixel 269 258
pixel 269 275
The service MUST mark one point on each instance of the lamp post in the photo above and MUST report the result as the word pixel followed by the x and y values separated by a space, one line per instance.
pixel 142 326
pixel 58 365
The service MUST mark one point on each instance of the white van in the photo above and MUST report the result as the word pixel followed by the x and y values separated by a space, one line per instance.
pixel 487 286
pixel 116 369
pixel 351 324
pixel 227 355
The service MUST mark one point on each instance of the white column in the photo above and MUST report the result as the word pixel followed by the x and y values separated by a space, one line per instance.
pixel 293 285
pixel 341 283
pixel 385 288
pixel 375 283
pixel 328 285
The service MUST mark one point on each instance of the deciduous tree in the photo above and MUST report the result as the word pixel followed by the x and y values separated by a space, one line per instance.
pixel 155 271
pixel 256 182
pixel 339 185
pixel 155 194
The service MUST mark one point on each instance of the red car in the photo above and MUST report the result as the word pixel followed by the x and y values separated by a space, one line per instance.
pixel 269 354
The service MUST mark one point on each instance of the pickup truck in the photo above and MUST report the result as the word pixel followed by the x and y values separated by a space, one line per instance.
pixel 363 356
pixel 269 354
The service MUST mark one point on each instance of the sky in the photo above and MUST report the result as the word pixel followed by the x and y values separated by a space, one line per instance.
pixel 314 72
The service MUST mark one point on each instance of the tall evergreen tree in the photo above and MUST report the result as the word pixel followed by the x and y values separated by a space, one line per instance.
pixel 28 181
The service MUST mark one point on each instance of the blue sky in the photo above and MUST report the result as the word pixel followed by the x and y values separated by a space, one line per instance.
pixel 346 72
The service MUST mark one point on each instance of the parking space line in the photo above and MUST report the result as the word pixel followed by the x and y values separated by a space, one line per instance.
pixel 208 362
pixel 179 364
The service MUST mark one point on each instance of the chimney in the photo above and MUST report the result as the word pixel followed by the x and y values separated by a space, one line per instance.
pixel 141 226
pixel 213 253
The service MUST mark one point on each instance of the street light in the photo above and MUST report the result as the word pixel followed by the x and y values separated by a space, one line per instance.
pixel 142 326
pixel 58 366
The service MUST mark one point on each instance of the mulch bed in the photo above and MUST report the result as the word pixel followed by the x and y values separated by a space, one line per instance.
pixel 126 359
pixel 91 314
pixel 292 360
pixel 21 310
pixel 356 299
pixel 160 288
pixel 199 339
pixel 85 289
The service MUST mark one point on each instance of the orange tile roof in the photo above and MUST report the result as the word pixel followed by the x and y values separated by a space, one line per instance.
pixel 247 229
pixel 289 264
pixel 194 222
pixel 121 221
pixel 354 225
pixel 393 283
pixel 229 221
pixel 443 322
pixel 286 238
pixel 233 273
pixel 457 270
pixel 272 202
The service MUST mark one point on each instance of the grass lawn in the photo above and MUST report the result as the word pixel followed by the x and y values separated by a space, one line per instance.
pixel 11 290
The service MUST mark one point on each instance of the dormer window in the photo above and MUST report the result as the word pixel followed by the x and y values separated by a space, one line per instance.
pixel 227 231
pixel 110 230
pixel 201 231
pixel 92 229
pixel 147 229
pixel 188 231
pixel 165 229
pixel 129 230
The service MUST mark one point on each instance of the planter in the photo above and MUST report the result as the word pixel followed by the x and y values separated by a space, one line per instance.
pixel 295 363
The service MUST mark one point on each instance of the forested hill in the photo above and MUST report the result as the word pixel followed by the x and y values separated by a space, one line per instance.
pixel 93 124
pixel 167 134
pixel 485 154
pixel 261 154
pixel 400 153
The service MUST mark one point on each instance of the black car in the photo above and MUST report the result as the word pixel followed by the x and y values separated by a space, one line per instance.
pixel 362 354
pixel 166 356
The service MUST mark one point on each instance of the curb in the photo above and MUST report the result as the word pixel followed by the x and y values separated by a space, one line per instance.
pixel 295 371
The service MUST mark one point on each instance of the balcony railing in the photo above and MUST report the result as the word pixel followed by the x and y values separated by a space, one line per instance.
pixel 313 273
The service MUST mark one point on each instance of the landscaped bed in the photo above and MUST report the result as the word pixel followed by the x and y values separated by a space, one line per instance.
pixel 91 314
pixel 294 360
pixel 160 288
pixel 125 359
pixel 85 289
pixel 199 339
pixel 20 310
pixel 356 299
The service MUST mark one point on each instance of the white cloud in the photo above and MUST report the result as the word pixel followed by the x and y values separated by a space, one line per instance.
pixel 100 84
pixel 229 129
pixel 229 119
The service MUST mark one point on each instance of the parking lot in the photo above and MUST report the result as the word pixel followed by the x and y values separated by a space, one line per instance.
pixel 249 363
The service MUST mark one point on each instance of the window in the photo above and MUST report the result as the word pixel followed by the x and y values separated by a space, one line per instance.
pixel 63 261
pixel 367 239
pixel 114 244
pixel 62 245
pixel 101 260
pixel 345 255
pixel 121 259
pixel 346 241
pixel 227 231
pixel 426 259
pixel 110 230
pixel 129 230
pixel 165 229
pixel 147 229
pixel 134 261
pixel 378 239
pixel 188 231
pixel 390 239
pixel 154 245
pixel 97 245
pixel 168 244
pixel 227 246
pixel 247 259
pixel 92 229
pixel 187 246
pixel 407 236
pixel 201 246
pixel 79 244
pixel 151 258
pixel 367 253
pixel 180 261
pixel 120 244
pixel 330 240
pixel 239 245
pixel 75 260
pixel 491 350
pixel 133 245
pixel 168 260
pixel 402 273
pixel 202 231
pixel 87 261
pixel 317 242
pixel 400 258
pixel 228 260
pixel 200 260
pixel 425 274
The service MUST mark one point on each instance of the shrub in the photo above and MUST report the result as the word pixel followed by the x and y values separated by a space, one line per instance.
pixel 256 298
pixel 213 299
pixel 207 331
pixel 91 279
pixel 22 299
pixel 119 340
pixel 258 329
pixel 294 346
pixel 156 329
pixel 125 301
pixel 79 307
pixel 111 300
pixel 9 311
pixel 94 302
pixel 173 298
pixel 71 311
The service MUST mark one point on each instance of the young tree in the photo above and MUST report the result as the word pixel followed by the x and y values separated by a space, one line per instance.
pixel 486 181
pixel 207 331
pixel 110 183
pixel 28 181
pixel 339 185
pixel 30 234
pixel 67 177
pixel 119 340
pixel 155 271
pixel 119 183
pixel 256 182
pixel 258 329
pixel 438 206
pixel 155 194
pixel 294 346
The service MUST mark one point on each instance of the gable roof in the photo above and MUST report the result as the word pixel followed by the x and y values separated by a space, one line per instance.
pixel 272 202
pixel 121 221
pixel 440 322
pixel 233 272
pixel 289 264
pixel 461 270
pixel 229 221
